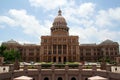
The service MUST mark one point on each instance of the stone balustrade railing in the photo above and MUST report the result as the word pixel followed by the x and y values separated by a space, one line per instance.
pixel 54 67
pixel 39 72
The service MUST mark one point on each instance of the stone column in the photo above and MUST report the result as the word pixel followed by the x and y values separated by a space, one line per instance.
pixel 80 71
pixel 11 70
pixel 57 49
pixel 57 58
pixel 47 54
pixel 53 70
pixel 1 60
pixel 42 53
pixel 77 53
pixel 62 49
pixel 39 72
pixel 52 53
pixel 57 53
pixel 108 68
pixel 80 67
pixel 66 71
pixel 67 54
pixel 25 69
pixel 62 57
pixel 27 51
pixel 94 68
pixel 72 52
pixel 92 54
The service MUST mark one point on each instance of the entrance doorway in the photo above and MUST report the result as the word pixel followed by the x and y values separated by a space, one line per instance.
pixel 54 59
pixel 46 78
pixel 59 78
pixel 64 59
pixel 59 59
pixel 73 78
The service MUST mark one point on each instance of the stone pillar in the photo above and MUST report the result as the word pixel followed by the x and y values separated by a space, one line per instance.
pixel 53 70
pixel 1 60
pixel 25 69
pixel 57 49
pixel 80 71
pixel 16 65
pixel 57 58
pixel 62 59
pixel 108 68
pixel 39 72
pixel 66 71
pixel 77 53
pixel 27 55
pixel 42 53
pixel 80 67
pixel 11 70
pixel 72 52
pixel 57 53
pixel 67 54
pixel 92 54
pixel 52 53
pixel 62 49
pixel 94 68
pixel 46 55
pixel 39 67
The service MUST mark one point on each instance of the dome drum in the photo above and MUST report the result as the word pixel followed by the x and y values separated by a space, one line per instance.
pixel 59 29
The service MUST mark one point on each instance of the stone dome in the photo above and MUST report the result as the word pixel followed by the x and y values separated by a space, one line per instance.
pixel 12 41
pixel 59 27
pixel 59 19
pixel 108 42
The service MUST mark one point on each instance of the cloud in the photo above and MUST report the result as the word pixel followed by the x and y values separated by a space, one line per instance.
pixel 29 24
pixel 84 20
pixel 93 34
pixel 86 9
pixel 2 26
pixel 93 27
pixel 79 14
pixel 1 42
pixel 108 18
pixel 5 19
pixel 48 4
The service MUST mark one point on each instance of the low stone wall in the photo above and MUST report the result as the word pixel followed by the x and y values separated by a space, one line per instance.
pixel 53 73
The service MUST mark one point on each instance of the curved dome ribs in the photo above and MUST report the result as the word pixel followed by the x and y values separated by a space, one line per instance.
pixel 59 25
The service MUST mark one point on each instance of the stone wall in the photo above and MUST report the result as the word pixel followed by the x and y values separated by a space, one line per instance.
pixel 53 73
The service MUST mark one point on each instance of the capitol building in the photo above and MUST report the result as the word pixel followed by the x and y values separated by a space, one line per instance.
pixel 60 47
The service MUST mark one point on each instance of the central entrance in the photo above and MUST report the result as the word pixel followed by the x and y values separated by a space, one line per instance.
pixel 59 60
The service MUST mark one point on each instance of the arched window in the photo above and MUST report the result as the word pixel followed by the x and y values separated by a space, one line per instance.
pixel 59 78
pixel 46 78
pixel 73 78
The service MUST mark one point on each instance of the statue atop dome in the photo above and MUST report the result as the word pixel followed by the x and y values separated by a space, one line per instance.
pixel 59 13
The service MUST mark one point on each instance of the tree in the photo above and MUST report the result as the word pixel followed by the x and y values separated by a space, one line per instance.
pixel 2 49
pixel 11 55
